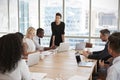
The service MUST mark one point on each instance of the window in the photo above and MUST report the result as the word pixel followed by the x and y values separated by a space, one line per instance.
pixel 104 15
pixel 83 20
pixel 23 15
pixel 33 13
pixel 45 41
pixel 8 16
pixel 4 16
pixel 48 9
pixel 13 15
pixel 73 41
pixel 77 17
pixel 107 19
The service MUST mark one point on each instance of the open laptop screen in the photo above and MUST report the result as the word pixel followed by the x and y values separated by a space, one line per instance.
pixel 63 47
pixel 80 46
pixel 82 63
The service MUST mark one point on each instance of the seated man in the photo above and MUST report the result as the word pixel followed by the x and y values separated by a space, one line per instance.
pixel 36 39
pixel 103 55
pixel 114 50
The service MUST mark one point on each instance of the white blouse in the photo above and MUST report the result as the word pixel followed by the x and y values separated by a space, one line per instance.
pixel 20 73
pixel 31 45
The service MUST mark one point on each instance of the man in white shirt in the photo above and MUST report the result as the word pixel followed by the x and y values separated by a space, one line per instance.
pixel 36 39
pixel 114 49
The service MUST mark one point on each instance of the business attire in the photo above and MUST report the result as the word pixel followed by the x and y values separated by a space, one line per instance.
pixel 37 42
pixel 30 44
pixel 57 31
pixel 20 73
pixel 103 55
pixel 114 71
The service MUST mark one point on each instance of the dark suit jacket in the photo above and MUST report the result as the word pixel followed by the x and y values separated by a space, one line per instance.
pixel 103 55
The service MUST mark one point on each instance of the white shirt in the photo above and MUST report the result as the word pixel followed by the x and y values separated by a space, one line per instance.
pixel 30 44
pixel 36 41
pixel 20 73
pixel 114 71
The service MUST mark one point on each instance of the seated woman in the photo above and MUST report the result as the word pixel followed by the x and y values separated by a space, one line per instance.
pixel 29 44
pixel 12 67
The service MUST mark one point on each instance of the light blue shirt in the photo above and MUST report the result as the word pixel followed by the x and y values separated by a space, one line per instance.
pixel 114 71
pixel 36 41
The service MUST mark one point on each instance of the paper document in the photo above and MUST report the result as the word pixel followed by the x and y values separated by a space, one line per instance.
pixel 77 77
pixel 38 76
pixel 33 59
pixel 85 64
pixel 48 79
pixel 46 52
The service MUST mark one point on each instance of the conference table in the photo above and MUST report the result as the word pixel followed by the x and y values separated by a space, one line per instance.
pixel 63 65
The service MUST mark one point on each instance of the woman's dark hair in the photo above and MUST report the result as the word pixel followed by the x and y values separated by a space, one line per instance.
pixel 20 35
pixel 39 30
pixel 58 14
pixel 114 41
pixel 11 50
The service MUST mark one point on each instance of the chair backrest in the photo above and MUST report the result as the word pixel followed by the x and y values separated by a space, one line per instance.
pixel 33 58
pixel 88 45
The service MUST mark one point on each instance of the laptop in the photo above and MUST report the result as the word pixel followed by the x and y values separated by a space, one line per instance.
pixel 63 47
pixel 33 58
pixel 83 63
pixel 80 46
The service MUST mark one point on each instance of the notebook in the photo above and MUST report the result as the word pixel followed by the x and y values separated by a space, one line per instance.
pixel 80 46
pixel 77 77
pixel 46 52
pixel 33 58
pixel 38 76
pixel 83 63
pixel 63 47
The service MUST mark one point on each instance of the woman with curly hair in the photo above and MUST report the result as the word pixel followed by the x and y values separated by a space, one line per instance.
pixel 12 67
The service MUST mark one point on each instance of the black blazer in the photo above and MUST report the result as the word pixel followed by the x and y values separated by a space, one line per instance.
pixel 103 55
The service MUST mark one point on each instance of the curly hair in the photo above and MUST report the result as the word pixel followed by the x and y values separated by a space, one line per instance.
pixel 20 35
pixel 11 50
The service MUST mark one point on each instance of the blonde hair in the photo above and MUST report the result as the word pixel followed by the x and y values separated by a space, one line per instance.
pixel 29 31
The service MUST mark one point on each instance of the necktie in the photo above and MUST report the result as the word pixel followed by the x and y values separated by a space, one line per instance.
pixel 39 40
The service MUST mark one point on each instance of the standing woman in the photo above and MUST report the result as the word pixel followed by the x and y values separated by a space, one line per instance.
pixel 57 28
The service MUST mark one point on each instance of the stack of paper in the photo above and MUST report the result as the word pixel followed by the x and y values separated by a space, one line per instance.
pixel 47 79
pixel 38 76
pixel 46 53
pixel 77 77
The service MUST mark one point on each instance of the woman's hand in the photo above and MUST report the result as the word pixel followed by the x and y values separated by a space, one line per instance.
pixel 53 45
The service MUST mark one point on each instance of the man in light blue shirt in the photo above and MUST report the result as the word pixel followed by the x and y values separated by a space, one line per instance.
pixel 37 40
pixel 114 49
